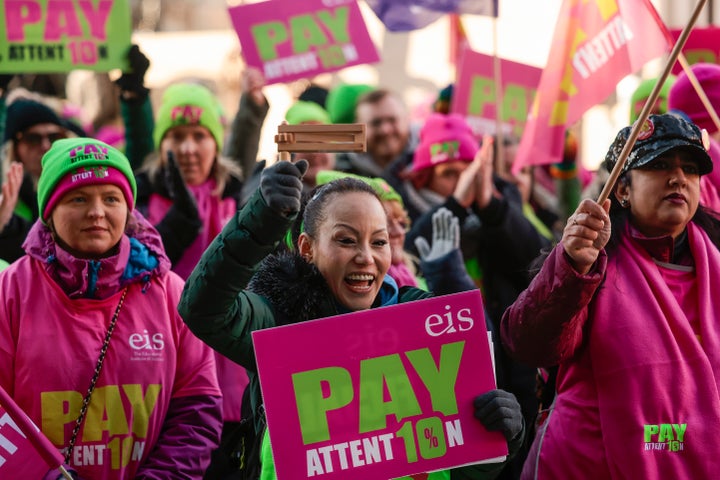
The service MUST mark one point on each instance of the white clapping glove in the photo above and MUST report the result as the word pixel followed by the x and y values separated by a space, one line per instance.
pixel 445 236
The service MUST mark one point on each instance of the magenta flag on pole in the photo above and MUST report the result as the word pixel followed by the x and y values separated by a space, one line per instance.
pixel 596 43
pixel 23 448
pixel 380 393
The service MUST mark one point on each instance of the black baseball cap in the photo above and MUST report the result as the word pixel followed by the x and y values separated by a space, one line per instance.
pixel 658 135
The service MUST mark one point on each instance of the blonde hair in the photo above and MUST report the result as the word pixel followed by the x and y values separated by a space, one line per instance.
pixel 223 168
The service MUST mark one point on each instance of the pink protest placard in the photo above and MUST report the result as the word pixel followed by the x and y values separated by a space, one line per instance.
pixel 474 93
pixel 381 393
pixel 703 45
pixel 287 39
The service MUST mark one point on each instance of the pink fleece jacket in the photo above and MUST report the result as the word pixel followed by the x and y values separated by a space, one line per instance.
pixel 637 392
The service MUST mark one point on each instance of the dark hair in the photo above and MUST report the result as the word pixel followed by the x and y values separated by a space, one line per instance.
pixel 314 210
pixel 705 218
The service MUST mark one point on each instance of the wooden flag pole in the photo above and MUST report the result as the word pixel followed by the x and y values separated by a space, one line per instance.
pixel 348 137
pixel 649 103
pixel 499 96
pixel 65 473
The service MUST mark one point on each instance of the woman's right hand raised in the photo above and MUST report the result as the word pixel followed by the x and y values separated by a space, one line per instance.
pixel 587 232
pixel 10 193
pixel 281 186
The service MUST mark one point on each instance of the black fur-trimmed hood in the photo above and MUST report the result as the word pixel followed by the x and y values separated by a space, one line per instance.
pixel 296 289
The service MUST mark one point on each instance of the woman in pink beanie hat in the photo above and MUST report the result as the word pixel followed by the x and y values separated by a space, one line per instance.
pixel 684 99
pixel 447 146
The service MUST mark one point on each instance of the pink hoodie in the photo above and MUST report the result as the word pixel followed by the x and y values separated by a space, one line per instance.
pixel 637 392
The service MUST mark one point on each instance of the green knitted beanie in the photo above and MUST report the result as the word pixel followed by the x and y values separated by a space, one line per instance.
pixel 304 112
pixel 381 187
pixel 342 100
pixel 188 104
pixel 82 157
pixel 642 92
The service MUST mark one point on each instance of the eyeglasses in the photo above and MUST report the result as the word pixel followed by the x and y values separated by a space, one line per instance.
pixel 36 139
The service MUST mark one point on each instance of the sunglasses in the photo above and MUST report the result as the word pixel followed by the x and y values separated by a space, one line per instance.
pixel 36 139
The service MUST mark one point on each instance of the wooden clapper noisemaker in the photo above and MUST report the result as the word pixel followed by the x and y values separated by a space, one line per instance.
pixel 346 137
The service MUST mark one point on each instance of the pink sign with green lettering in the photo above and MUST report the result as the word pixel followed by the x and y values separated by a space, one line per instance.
pixel 381 393
pixel 474 93
pixel 288 39
pixel 45 36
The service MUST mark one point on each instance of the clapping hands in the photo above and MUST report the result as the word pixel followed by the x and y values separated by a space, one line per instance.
pixel 475 184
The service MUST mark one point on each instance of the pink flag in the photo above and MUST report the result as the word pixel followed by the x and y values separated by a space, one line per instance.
pixel 596 43
pixel 23 448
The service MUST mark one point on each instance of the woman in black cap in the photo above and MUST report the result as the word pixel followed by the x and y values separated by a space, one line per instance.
pixel 30 128
pixel 624 305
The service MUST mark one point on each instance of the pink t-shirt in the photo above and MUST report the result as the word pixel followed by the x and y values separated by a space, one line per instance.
pixel 53 343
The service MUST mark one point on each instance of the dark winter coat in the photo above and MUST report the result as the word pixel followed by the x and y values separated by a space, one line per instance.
pixel 241 285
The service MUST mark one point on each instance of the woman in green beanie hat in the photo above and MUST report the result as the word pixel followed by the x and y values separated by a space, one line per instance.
pixel 93 303
pixel 188 190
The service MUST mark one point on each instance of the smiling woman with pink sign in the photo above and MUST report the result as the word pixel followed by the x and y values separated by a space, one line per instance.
pixel 241 284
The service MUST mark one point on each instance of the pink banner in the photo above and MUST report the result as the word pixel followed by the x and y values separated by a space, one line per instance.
pixel 18 457
pixel 474 93
pixel 703 45
pixel 287 39
pixel 380 393
pixel 595 44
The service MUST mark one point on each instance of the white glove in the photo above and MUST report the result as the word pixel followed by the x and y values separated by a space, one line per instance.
pixel 445 236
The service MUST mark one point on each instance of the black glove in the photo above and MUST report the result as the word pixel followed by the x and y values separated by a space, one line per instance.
pixel 5 80
pixel 281 186
pixel 181 224
pixel 134 80
pixel 180 194
pixel 499 410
